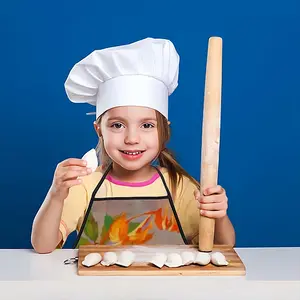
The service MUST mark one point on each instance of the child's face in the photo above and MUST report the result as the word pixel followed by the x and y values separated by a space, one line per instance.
pixel 130 136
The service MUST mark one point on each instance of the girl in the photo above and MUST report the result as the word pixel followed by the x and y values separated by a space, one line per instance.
pixel 128 199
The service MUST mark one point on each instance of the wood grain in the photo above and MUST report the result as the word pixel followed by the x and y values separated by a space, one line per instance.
pixel 210 135
pixel 235 267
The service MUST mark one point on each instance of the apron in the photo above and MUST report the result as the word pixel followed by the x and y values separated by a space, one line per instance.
pixel 142 220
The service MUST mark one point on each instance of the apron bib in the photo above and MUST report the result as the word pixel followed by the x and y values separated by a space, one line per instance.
pixel 130 220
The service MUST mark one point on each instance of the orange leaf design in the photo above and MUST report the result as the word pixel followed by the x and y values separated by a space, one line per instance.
pixel 173 225
pixel 118 229
pixel 140 235
pixel 158 218
pixel 162 221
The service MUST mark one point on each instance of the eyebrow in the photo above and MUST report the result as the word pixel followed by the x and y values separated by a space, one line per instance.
pixel 124 120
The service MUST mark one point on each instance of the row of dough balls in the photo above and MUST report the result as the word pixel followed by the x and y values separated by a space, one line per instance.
pixel 175 260
pixel 171 260
pixel 125 259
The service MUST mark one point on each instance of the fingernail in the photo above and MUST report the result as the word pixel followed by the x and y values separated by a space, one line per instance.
pixel 201 212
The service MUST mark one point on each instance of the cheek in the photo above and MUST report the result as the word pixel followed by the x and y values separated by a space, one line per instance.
pixel 110 140
pixel 152 140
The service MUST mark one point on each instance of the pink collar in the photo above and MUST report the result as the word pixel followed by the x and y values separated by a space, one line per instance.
pixel 133 184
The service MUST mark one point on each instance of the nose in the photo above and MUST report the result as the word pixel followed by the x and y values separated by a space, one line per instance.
pixel 132 137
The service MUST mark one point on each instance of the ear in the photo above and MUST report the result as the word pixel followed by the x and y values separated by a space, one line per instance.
pixel 169 122
pixel 97 129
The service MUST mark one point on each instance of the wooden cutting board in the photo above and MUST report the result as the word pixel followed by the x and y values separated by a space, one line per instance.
pixel 142 268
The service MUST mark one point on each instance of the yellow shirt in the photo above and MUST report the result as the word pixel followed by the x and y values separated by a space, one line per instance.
pixel 76 204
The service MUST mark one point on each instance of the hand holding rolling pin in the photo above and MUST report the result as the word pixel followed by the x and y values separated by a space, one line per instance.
pixel 213 203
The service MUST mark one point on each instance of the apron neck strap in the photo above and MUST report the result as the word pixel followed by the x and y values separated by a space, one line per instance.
pixel 101 180
pixel 164 182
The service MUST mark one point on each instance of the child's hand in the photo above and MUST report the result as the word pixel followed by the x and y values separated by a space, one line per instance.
pixel 213 204
pixel 66 175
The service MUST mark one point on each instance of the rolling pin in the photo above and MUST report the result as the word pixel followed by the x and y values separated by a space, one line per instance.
pixel 210 135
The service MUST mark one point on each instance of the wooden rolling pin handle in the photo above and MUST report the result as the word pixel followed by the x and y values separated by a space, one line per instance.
pixel 210 135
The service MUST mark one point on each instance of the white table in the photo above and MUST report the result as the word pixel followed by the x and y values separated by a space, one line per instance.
pixel 271 273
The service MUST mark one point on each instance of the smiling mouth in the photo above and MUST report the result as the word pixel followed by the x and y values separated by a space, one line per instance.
pixel 135 152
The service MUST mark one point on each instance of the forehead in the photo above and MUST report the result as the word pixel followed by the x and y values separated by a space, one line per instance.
pixel 131 113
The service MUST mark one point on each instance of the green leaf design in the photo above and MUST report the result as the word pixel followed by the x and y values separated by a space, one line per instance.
pixel 91 228
pixel 83 241
pixel 132 226
pixel 106 225
pixel 108 221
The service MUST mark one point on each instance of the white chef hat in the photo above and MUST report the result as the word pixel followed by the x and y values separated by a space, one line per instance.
pixel 143 73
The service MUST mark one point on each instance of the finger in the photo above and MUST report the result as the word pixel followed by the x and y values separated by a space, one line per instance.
pixel 213 206
pixel 62 171
pixel 213 214
pixel 73 162
pixel 212 199
pixel 72 174
pixel 197 195
pixel 69 183
pixel 76 168
pixel 213 190
pixel 65 169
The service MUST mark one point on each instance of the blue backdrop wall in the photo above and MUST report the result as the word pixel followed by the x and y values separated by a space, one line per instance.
pixel 260 144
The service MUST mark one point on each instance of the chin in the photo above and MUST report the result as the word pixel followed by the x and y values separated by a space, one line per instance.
pixel 133 165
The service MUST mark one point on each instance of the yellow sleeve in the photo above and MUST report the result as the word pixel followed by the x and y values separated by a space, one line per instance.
pixel 187 210
pixel 74 209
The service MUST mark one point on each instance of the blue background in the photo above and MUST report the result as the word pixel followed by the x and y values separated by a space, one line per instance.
pixel 260 145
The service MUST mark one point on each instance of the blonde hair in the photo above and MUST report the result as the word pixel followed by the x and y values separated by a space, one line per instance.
pixel 166 158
